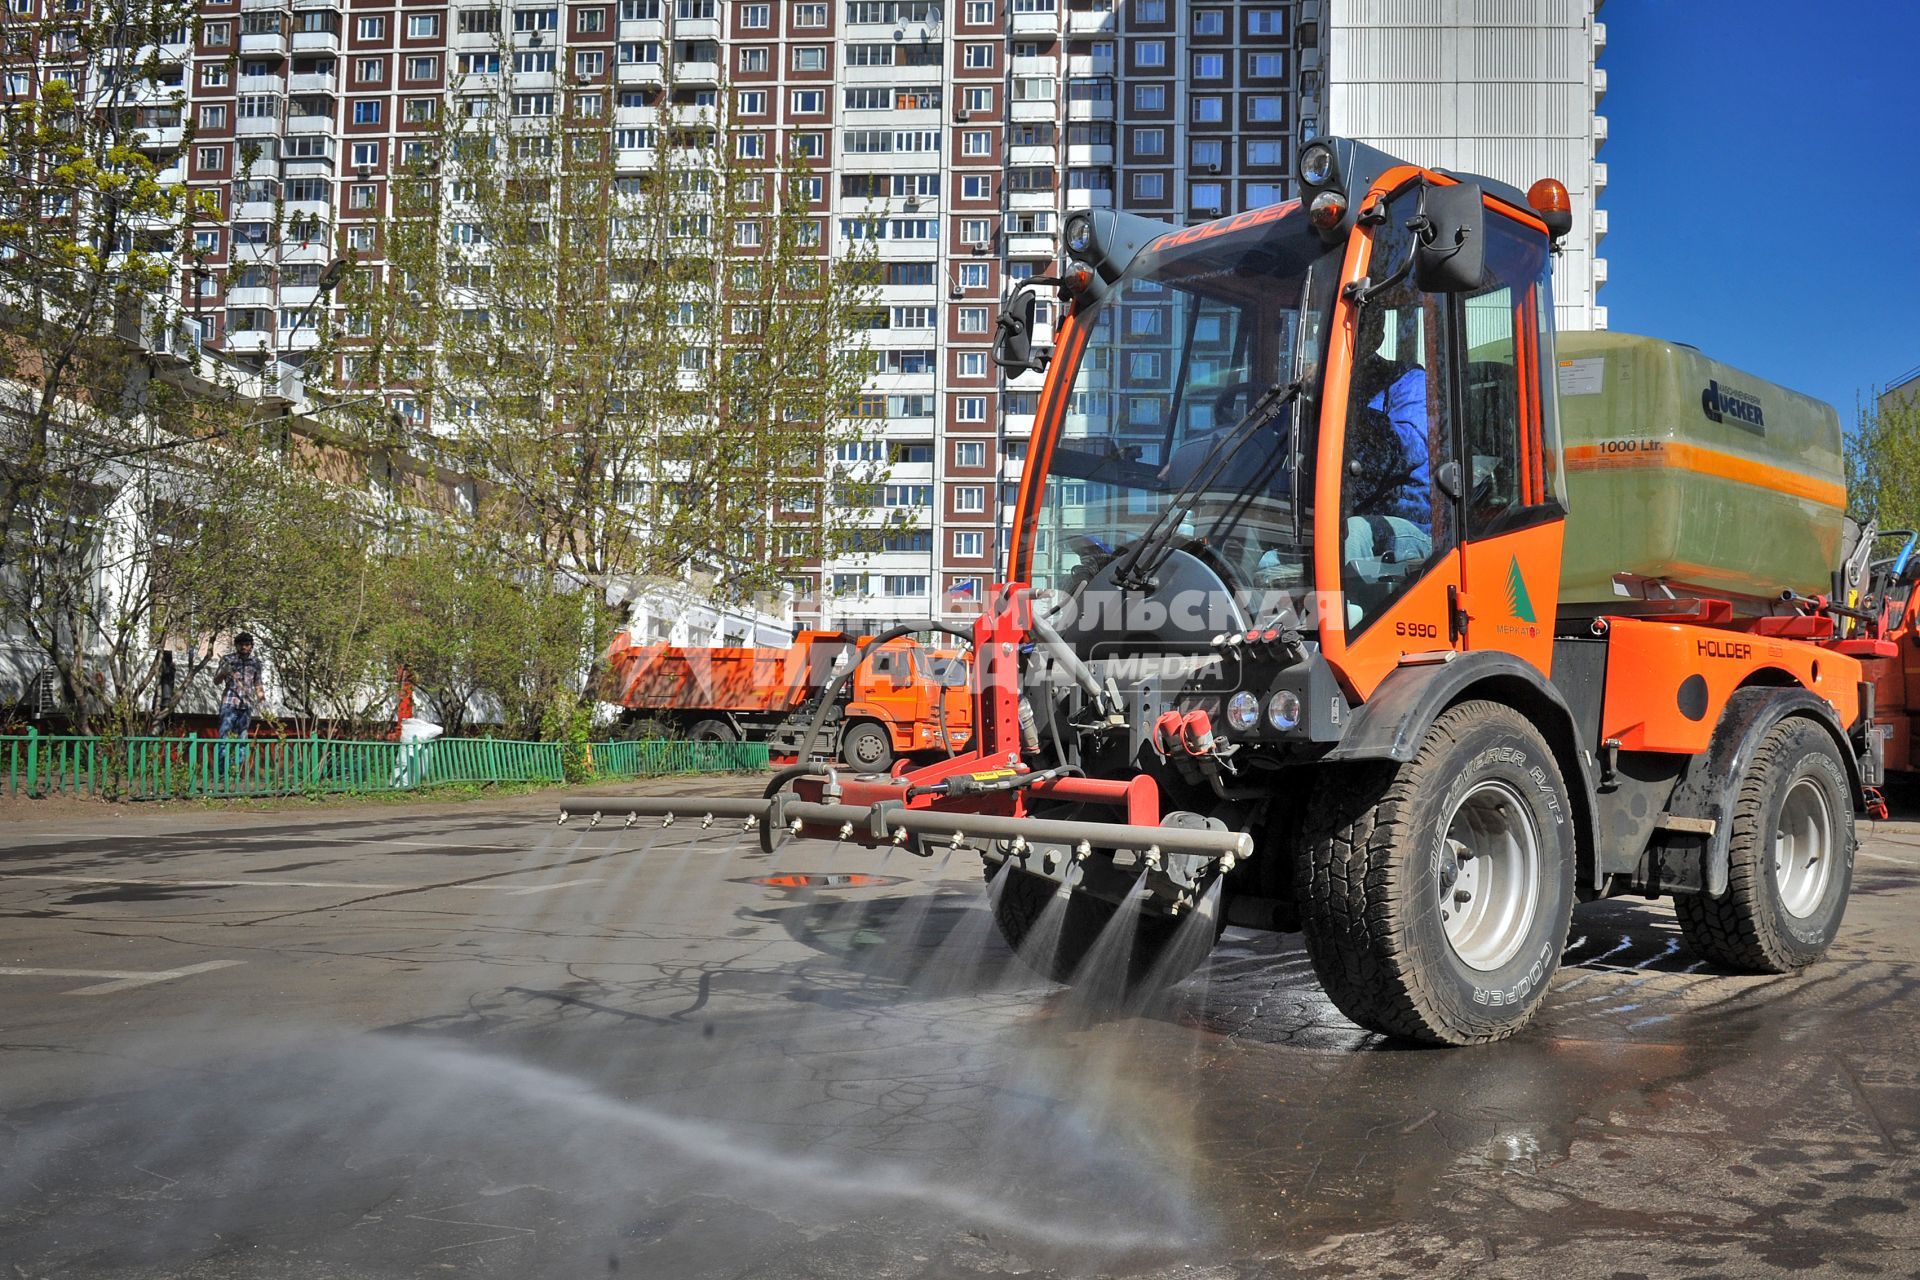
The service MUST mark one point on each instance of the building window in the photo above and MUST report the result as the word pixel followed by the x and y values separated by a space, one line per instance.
pixel 969 545
pixel 423 26
pixel 810 145
pixel 366 155
pixel 751 146
pixel 1266 108
pixel 751 102
pixel 1266 152
pixel 972 320
pixel 1266 22
pixel 807 102
pixel 752 60
pixel 970 409
pixel 1150 142
pixel 755 17
pixel 810 57
pixel 213 75
pixel 370 29
pixel 592 21
pixel 972 364
pixel 976 231
pixel 976 186
pixel 971 453
pixel 1149 186
pixel 369 70
pixel 1208 108
pixel 1149 97
pixel 1209 66
pixel 360 196
pixel 809 15
pixel 977 57
pixel 1203 196
pixel 1208 154
pixel 423 68
pixel 982 99
pixel 1266 66
pixel 969 499
pixel 1153 11
pixel 589 64
pixel 1262 194
pixel 979 13
pixel 210 158
pixel 421 110
pixel 214 117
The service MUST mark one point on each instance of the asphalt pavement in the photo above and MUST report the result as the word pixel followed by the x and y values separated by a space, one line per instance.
pixel 459 1040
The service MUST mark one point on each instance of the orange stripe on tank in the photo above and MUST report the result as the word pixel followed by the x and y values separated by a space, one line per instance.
pixel 1710 462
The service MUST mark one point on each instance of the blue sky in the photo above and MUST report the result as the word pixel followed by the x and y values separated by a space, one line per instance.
pixel 1763 185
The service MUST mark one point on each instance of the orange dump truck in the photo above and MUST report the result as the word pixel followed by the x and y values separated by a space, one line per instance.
pixel 905 701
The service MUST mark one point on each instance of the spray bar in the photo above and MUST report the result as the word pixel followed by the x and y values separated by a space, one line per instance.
pixel 890 820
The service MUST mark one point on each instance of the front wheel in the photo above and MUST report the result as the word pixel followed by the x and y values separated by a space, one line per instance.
pixel 1435 895
pixel 1790 859
pixel 867 747
pixel 712 731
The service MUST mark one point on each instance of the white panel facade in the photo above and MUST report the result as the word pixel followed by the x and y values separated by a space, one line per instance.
pixel 1505 88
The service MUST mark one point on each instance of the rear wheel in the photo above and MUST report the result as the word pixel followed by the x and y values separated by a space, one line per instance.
pixel 867 747
pixel 1435 895
pixel 712 731
pixel 1790 859
pixel 1151 958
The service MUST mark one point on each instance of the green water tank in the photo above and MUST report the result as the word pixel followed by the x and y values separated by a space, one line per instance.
pixel 1684 469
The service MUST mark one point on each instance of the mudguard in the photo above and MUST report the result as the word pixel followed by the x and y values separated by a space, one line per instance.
pixel 1697 860
pixel 1394 721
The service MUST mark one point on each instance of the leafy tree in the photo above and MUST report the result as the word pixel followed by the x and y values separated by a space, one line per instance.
pixel 649 369
pixel 1883 464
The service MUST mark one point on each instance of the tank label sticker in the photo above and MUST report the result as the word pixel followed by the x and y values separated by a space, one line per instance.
pixel 1583 377
pixel 1724 404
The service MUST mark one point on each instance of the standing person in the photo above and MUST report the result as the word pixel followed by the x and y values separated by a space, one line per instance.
pixel 238 677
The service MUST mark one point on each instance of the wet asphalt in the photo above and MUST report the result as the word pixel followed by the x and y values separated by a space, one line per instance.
pixel 457 1041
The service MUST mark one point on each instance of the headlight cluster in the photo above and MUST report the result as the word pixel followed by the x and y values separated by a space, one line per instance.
pixel 1283 711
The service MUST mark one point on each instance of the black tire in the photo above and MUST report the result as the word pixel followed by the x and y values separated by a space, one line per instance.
pixel 1025 896
pixel 1752 927
pixel 867 747
pixel 1383 843
pixel 712 731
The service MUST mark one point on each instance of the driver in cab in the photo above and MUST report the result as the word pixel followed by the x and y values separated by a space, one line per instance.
pixel 1390 526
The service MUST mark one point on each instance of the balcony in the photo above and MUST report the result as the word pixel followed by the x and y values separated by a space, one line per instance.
pixel 253 211
pixel 696 73
pixel 165 137
pixel 1035 157
pixel 310 123
pixel 256 297
pixel 1042 24
pixel 1034 109
pixel 1083 156
pixel 650 74
pixel 1088 65
pixel 314 210
pixel 697 29
pixel 1599 132
pixel 313 82
pixel 1077 199
pixel 316 42
pixel 1046 66
pixel 248 340
pixel 1089 109
pixel 264 44
pixel 1030 244
pixel 258 126
pixel 1599 85
pixel 247 86
pixel 1087 22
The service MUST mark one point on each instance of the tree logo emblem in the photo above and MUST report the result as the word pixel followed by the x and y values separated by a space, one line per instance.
pixel 1519 605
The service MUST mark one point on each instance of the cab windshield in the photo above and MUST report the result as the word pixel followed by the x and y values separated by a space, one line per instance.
pixel 1180 354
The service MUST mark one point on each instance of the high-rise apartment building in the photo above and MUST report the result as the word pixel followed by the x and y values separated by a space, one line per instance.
pixel 976 125
pixel 1505 88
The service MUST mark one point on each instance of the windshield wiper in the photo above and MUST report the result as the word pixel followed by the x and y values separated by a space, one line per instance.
pixel 1129 574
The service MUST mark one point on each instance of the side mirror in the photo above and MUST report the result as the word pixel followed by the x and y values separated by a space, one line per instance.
pixel 1450 244
pixel 1013 334
pixel 954 674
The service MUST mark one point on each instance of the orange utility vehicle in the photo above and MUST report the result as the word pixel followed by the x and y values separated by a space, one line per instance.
pixel 906 700
pixel 1283 639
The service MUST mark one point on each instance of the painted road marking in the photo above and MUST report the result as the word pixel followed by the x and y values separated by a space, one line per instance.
pixel 357 886
pixel 118 979
pixel 1885 857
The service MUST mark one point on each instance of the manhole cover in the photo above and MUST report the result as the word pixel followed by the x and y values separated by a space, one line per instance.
pixel 822 880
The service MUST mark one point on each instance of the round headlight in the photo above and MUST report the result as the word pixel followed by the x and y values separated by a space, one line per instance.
pixel 1326 210
pixel 1079 234
pixel 1283 710
pixel 1316 164
pixel 1243 710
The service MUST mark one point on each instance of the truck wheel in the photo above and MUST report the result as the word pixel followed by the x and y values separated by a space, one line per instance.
pixel 1025 896
pixel 1435 895
pixel 1790 859
pixel 867 747
pixel 712 731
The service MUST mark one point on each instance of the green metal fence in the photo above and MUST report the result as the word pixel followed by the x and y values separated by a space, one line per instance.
pixel 170 768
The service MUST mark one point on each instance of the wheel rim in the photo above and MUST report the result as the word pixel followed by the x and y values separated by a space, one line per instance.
pixel 1803 848
pixel 867 747
pixel 1490 876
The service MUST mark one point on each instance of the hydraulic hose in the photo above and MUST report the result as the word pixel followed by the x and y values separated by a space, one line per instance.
pixel 832 692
